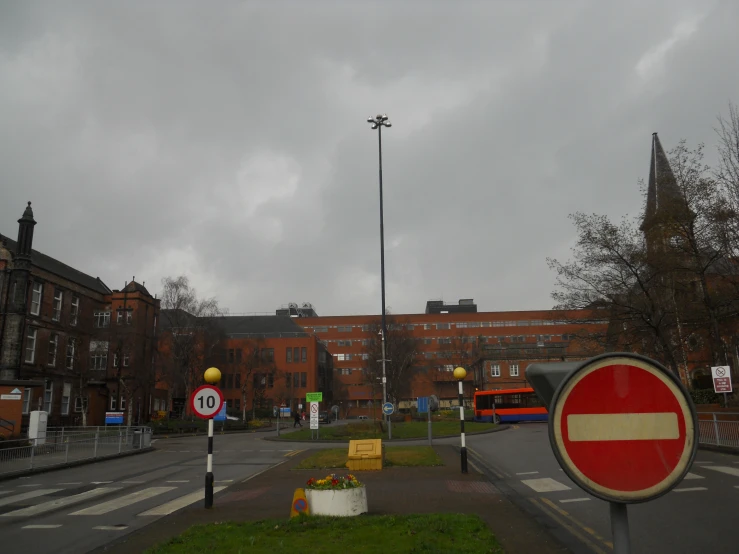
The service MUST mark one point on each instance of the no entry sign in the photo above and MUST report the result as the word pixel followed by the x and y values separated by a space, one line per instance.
pixel 623 428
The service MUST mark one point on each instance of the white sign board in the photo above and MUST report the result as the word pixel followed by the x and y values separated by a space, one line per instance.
pixel 721 378
pixel 10 396
pixel 314 415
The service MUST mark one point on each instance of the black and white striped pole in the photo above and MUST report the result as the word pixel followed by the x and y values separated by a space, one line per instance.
pixel 459 374
pixel 212 377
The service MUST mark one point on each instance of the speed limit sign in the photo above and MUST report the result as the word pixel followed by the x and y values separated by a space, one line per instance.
pixel 206 401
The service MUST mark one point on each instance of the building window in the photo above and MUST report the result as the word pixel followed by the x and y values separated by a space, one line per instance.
pixel 129 317
pixel 495 370
pixel 428 355
pixel 71 346
pixel 53 347
pixel 115 359
pixel 237 380
pixel 365 356
pixel 102 319
pixel 36 298
pixel 75 311
pixel 513 371
pixel 112 403
pixel 271 380
pixel 26 400
pixel 303 380
pixel 80 403
pixel 31 345
pixel 296 354
pixel 268 354
pixel 444 341
pixel 303 354
pixel 442 326
pixel 48 396
pixel 320 329
pixel 231 355
pixel 410 327
pixel 57 313
pixel 98 354
pixel 462 325
pixel 449 368
pixel 66 393
pixel 344 343
pixel 288 355
pixel 237 404
pixel 344 328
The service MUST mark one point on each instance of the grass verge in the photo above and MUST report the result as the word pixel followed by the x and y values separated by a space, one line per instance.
pixel 370 430
pixel 409 456
pixel 419 534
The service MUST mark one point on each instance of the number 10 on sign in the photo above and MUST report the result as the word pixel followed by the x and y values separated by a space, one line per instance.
pixel 206 401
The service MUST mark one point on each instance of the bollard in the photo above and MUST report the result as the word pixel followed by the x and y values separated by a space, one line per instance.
pixel 120 440
pixel 95 450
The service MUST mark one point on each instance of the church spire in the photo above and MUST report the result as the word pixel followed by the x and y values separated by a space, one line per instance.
pixel 664 197
pixel 25 234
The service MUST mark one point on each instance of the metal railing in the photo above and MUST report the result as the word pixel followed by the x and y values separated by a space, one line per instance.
pixel 62 445
pixel 719 429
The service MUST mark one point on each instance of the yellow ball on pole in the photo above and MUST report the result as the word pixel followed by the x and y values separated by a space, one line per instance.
pixel 460 373
pixel 212 375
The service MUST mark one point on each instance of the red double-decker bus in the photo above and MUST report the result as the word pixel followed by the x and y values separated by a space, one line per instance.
pixel 509 405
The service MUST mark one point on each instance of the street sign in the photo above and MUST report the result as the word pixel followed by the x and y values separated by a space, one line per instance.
pixel 314 397
pixel 388 408
pixel 221 415
pixel 423 404
pixel 314 415
pixel 206 401
pixel 721 378
pixel 113 418
pixel 623 428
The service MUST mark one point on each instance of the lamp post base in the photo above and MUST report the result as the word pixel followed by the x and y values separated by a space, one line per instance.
pixel 209 490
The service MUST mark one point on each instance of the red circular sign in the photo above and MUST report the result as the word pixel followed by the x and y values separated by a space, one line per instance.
pixel 206 401
pixel 623 428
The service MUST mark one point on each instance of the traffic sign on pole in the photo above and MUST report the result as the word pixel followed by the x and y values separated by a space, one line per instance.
pixel 721 378
pixel 623 428
pixel 314 415
pixel 388 408
pixel 206 401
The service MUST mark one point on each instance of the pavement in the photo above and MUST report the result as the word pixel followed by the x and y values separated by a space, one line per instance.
pixel 395 490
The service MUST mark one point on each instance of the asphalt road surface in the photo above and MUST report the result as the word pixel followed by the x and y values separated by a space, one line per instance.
pixel 699 515
pixel 76 510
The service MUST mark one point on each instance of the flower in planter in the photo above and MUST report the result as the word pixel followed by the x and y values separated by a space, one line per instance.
pixel 333 482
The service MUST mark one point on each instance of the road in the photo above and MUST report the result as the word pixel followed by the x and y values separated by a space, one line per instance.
pixel 76 510
pixel 699 515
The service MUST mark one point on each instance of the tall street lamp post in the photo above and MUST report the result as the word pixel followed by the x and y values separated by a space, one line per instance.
pixel 378 122
pixel 459 374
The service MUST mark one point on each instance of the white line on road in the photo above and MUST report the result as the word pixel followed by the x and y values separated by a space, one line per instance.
pixel 693 476
pixel 225 481
pixel 183 481
pixel 132 482
pixel 545 485
pixel 690 489
pixel 26 496
pixel 4 492
pixel 177 503
pixel 527 473
pixel 291 451
pixel 100 482
pixel 60 503
pixel 574 500
pixel 110 527
pixel 42 526
pixel 266 450
pixel 725 469
pixel 75 483
pixel 123 501
pixel 34 485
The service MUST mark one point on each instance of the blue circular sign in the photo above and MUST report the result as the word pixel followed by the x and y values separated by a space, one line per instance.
pixel 388 408
pixel 300 505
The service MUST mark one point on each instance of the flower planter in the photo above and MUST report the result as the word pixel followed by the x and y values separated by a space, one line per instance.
pixel 337 502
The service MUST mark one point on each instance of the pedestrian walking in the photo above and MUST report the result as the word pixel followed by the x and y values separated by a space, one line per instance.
pixel 297 420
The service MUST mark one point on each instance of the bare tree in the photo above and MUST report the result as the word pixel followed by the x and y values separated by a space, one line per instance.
pixel 190 333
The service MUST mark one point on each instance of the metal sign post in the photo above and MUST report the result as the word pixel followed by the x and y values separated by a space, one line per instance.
pixel 721 376
pixel 205 403
pixel 613 413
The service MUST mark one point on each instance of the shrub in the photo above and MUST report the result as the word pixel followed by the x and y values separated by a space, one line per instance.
pixel 704 396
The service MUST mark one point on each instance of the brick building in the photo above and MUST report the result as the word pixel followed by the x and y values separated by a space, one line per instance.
pixel 495 347
pixel 68 331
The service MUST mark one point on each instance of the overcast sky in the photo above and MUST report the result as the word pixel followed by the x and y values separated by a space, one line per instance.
pixel 227 140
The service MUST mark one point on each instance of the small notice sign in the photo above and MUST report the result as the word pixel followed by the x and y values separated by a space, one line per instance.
pixel 10 396
pixel 314 397
pixel 721 378
pixel 314 415
pixel 112 418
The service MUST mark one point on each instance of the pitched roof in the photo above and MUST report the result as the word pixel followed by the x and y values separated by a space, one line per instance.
pixel 267 326
pixel 47 263
pixel 133 286
pixel 663 194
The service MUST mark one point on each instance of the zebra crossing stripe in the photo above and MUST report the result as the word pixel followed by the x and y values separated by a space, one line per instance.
pixel 26 496
pixel 177 503
pixel 122 502
pixel 59 503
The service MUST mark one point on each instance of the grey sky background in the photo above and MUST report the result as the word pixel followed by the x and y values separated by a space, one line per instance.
pixel 227 140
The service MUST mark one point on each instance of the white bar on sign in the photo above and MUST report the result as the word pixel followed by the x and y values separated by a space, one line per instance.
pixel 622 427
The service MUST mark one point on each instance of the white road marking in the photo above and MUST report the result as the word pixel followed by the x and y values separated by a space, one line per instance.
pixel 574 500
pixel 690 489
pixel 266 450
pixel 247 451
pixel 619 427
pixel 725 469
pixel 696 462
pixel 184 481
pixel 123 501
pixel 291 451
pixel 34 485
pixel 527 473
pixel 545 484
pixel 111 528
pixel 4 492
pixel 26 496
pixel 133 482
pixel 693 476
pixel 74 483
pixel 100 482
pixel 41 526
pixel 59 503
pixel 225 481
pixel 177 503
